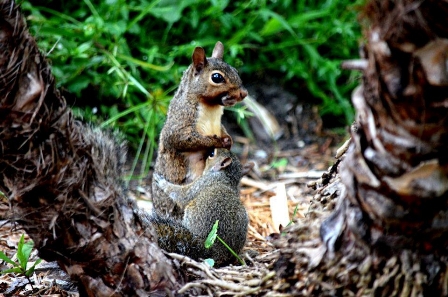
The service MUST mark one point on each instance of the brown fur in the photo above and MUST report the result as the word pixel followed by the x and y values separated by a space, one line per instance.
pixel 213 196
pixel 193 125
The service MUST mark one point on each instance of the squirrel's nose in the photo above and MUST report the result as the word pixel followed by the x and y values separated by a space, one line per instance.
pixel 243 93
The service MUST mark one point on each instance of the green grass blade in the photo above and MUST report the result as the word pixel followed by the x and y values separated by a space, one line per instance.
pixel 17 270
pixel 232 251
pixel 30 271
pixel 123 114
pixel 7 259
pixel 24 251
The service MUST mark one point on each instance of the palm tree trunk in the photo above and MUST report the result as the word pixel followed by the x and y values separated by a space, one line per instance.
pixel 396 173
pixel 394 199
pixel 63 181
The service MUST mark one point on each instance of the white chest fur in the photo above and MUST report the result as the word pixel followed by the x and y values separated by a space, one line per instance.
pixel 209 119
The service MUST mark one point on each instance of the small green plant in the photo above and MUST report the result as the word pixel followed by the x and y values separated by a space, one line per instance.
pixel 279 163
pixel 293 215
pixel 23 255
pixel 210 240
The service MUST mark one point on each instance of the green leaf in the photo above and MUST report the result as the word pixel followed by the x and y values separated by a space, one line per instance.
pixel 83 47
pixel 78 84
pixel 147 65
pixel 12 270
pixel 7 259
pixel 280 163
pixel 276 24
pixel 292 219
pixel 301 20
pixel 20 255
pixel 220 4
pixel 271 27
pixel 212 235
pixel 169 10
pixel 24 251
pixel 30 271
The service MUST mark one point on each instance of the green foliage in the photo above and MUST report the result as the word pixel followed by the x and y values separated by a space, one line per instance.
pixel 279 163
pixel 210 240
pixel 124 59
pixel 292 219
pixel 23 254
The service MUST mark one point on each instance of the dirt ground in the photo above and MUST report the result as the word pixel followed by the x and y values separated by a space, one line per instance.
pixel 275 193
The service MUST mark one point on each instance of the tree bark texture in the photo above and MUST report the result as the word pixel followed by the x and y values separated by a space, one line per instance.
pixel 396 172
pixel 387 235
pixel 63 179
pixel 394 199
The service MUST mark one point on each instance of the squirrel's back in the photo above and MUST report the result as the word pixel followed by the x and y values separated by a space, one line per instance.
pixel 232 226
pixel 212 197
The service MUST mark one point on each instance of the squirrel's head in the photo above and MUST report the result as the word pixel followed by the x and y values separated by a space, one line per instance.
pixel 223 161
pixel 215 81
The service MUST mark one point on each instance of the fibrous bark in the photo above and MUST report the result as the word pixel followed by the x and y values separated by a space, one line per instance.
pixel 396 172
pixel 63 179
pixel 388 233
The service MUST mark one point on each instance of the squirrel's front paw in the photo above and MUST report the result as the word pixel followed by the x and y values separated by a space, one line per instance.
pixel 159 180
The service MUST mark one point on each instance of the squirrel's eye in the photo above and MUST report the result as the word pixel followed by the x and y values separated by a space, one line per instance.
pixel 211 153
pixel 217 78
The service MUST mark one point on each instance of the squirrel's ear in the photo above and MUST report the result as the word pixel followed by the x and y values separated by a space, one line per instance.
pixel 218 51
pixel 223 164
pixel 199 59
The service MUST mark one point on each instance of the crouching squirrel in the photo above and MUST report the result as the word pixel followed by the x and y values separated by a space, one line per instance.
pixel 193 125
pixel 213 196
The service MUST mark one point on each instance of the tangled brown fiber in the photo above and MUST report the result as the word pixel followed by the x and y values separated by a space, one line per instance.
pixel 62 179
pixel 406 22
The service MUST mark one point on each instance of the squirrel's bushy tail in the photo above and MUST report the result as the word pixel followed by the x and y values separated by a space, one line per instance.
pixel 173 237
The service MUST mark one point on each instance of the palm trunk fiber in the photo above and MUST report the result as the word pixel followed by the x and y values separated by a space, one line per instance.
pixel 394 202
pixel 396 172
pixel 388 233
pixel 63 179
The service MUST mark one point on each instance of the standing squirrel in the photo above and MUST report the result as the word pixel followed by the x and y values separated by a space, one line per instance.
pixel 193 125
pixel 213 196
